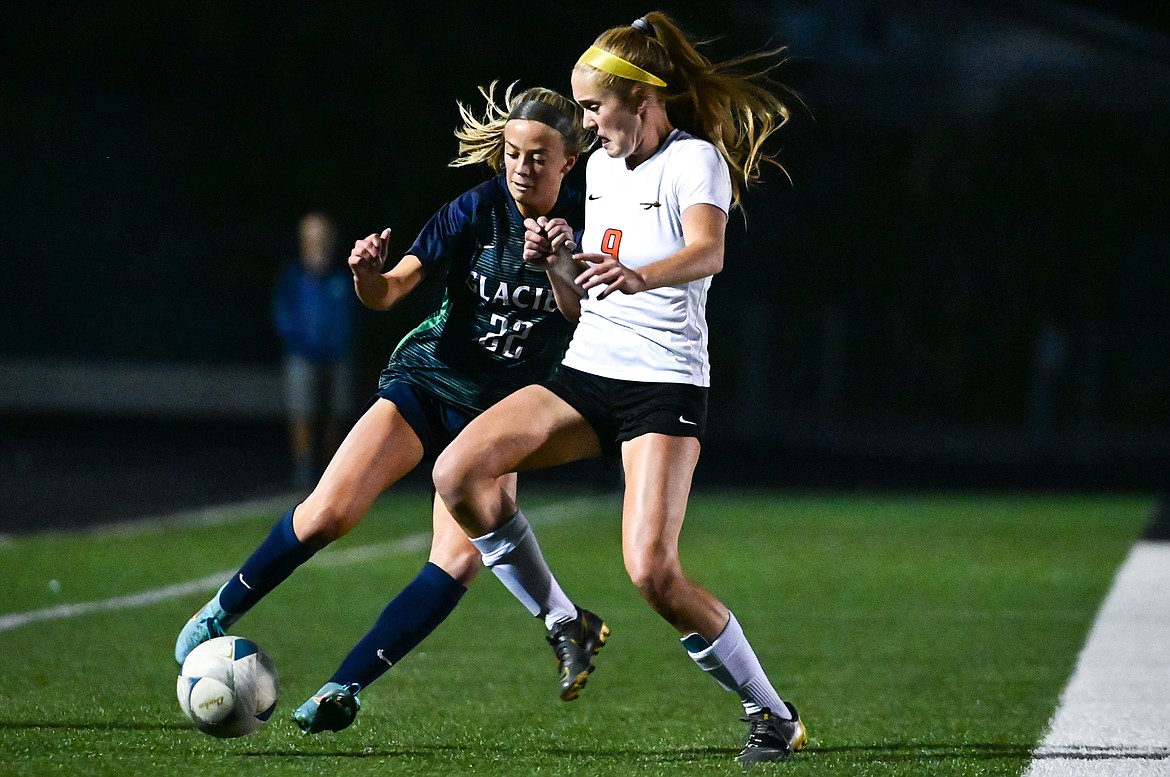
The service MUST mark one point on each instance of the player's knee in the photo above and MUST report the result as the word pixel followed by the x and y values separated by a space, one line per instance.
pixel 320 523
pixel 454 481
pixel 461 563
pixel 656 579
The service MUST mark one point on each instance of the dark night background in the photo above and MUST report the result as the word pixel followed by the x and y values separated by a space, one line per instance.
pixel 965 284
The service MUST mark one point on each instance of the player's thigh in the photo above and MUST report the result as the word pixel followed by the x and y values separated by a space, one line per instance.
pixel 658 474
pixel 379 449
pixel 530 429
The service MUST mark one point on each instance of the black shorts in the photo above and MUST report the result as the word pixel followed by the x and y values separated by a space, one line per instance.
pixel 620 410
pixel 435 421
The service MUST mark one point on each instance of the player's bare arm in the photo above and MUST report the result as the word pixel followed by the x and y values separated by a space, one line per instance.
pixel 378 290
pixel 703 229
pixel 548 244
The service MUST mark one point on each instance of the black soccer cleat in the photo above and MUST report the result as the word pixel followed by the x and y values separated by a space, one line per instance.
pixel 575 643
pixel 771 738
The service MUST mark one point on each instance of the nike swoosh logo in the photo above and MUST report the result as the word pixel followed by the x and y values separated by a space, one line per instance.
pixel 685 421
pixel 244 582
pixel 594 196
pixel 382 656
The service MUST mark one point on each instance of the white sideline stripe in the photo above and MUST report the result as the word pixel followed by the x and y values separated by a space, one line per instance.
pixel 17 619
pixel 199 516
pixel 1114 715
pixel 356 555
pixel 549 514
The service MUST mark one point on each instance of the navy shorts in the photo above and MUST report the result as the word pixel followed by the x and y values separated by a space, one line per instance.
pixel 621 410
pixel 435 421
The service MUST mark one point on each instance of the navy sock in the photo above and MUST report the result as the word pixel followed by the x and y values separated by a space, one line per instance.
pixel 268 566
pixel 419 607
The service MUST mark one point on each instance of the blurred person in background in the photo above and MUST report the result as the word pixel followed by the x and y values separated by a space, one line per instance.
pixel 313 310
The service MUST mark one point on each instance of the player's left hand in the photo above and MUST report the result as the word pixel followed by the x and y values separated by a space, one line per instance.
pixel 544 237
pixel 606 271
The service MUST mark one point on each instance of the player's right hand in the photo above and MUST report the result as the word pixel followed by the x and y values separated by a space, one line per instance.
pixel 369 255
pixel 543 237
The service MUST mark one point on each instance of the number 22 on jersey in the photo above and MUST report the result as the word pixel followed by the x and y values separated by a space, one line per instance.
pixel 504 340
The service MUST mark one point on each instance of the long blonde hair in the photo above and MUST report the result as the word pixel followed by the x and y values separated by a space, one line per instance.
pixel 734 109
pixel 481 138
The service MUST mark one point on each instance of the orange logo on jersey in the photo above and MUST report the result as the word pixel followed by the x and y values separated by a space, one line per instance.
pixel 611 241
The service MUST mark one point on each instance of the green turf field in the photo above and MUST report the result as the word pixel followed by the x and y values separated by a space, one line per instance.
pixel 918 635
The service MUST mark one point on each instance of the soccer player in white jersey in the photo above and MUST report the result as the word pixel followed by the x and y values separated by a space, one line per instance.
pixel 680 139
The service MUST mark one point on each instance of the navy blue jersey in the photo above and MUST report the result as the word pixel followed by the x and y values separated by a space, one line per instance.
pixel 498 328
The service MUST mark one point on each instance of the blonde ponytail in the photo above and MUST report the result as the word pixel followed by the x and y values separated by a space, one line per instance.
pixel 481 138
pixel 734 104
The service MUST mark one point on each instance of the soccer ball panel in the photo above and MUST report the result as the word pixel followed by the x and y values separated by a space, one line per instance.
pixel 211 701
pixel 228 687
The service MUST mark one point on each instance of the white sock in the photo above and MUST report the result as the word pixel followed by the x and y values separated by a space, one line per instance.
pixel 512 553
pixel 733 664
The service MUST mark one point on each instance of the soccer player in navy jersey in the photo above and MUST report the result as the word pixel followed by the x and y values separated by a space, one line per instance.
pixel 498 329
pixel 680 139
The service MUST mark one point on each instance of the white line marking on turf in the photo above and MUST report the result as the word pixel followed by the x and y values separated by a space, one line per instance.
pixel 549 514
pixel 18 619
pixel 199 516
pixel 1114 715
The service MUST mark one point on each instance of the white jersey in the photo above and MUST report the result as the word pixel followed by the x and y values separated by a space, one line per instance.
pixel 659 335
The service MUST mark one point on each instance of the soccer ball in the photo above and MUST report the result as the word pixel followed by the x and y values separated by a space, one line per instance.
pixel 228 687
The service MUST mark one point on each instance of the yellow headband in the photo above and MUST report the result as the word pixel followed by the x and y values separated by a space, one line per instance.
pixel 616 66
